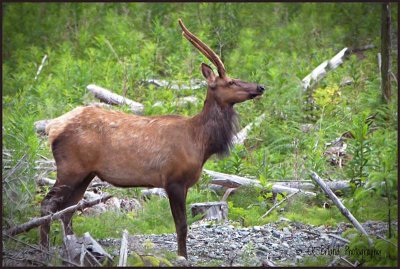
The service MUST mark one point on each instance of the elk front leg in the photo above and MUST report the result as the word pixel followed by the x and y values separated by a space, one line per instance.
pixel 177 200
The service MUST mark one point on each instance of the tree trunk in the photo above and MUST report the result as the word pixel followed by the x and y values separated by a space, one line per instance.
pixel 211 210
pixel 385 51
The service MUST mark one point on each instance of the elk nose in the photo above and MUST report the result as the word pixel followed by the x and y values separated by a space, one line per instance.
pixel 260 88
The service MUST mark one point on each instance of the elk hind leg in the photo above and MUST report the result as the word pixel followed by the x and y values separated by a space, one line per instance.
pixel 74 198
pixel 50 204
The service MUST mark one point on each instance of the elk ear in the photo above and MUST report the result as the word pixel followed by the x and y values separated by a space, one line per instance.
pixel 208 73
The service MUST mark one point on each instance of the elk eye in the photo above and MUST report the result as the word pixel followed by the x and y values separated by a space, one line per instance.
pixel 231 82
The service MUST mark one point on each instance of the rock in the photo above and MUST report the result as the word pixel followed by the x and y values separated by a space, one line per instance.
pixel 129 205
pixel 94 210
pixel 275 246
pixel 307 127
pixel 244 233
pixel 113 204
pixel 90 196
pixel 346 81
pixel 276 234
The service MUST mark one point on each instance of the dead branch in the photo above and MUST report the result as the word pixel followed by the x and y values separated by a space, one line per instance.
pixel 227 193
pixel 340 205
pixel 44 181
pixel 35 222
pixel 339 238
pixel 84 250
pixel 115 99
pixel 16 167
pixel 362 48
pixel 347 261
pixel 123 252
pixel 321 70
pixel 41 66
pixel 39 249
pixel 278 204
pixel 387 241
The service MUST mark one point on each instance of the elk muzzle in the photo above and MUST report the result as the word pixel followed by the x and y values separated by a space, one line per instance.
pixel 258 92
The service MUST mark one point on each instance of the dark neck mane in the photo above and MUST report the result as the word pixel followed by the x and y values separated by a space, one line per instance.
pixel 215 127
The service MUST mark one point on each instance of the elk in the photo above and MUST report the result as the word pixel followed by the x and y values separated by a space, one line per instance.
pixel 128 150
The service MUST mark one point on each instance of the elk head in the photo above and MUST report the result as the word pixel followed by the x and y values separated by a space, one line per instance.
pixel 225 90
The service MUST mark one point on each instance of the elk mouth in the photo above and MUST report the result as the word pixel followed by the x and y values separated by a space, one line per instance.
pixel 253 95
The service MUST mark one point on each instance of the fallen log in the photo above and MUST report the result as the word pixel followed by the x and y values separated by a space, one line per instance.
pixel 290 186
pixel 281 189
pixel 147 193
pixel 35 222
pixel 233 181
pixel 321 70
pixel 95 184
pixel 115 99
pixel 340 205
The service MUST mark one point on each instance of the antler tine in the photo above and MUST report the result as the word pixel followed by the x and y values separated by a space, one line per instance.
pixel 207 51
pixel 198 47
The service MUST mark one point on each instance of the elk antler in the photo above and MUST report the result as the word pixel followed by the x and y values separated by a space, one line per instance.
pixel 203 48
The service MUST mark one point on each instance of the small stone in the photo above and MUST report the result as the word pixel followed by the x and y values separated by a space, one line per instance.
pixel 244 233
pixel 257 228
pixel 158 103
pixel 181 261
pixel 276 234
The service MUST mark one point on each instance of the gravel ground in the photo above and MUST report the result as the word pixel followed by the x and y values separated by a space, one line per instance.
pixel 284 243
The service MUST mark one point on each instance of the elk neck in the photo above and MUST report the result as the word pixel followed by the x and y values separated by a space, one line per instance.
pixel 214 128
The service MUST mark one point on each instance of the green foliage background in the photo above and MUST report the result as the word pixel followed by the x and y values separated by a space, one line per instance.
pixel 118 45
